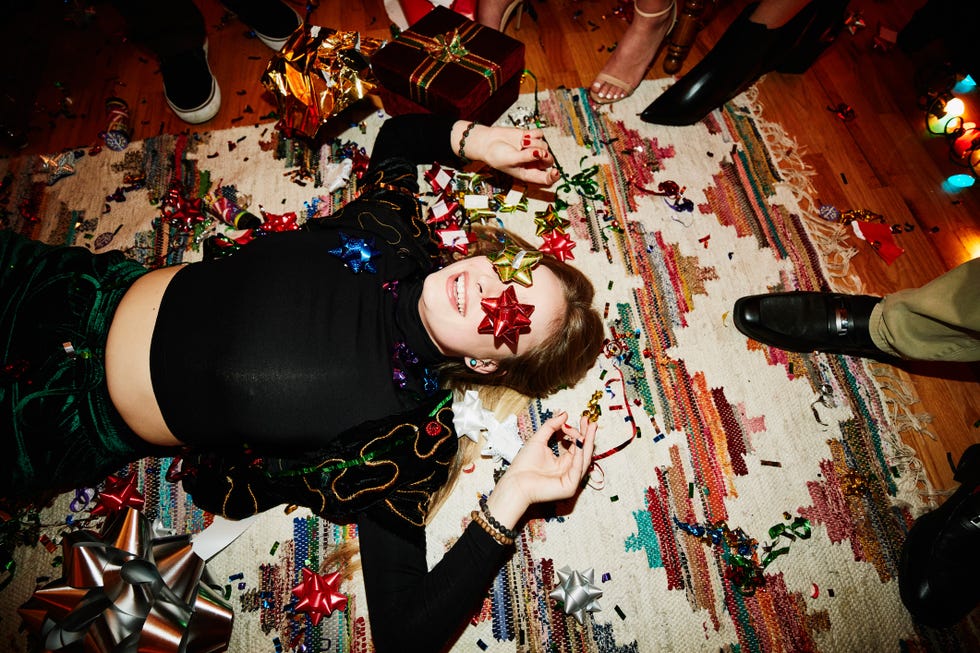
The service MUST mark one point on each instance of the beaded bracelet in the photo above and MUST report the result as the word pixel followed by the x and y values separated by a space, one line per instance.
pixel 501 539
pixel 462 141
pixel 506 532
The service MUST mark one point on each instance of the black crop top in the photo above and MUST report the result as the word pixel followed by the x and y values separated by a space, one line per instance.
pixel 283 346
pixel 280 346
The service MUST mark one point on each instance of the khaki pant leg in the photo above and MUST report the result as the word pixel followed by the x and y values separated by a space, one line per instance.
pixel 939 321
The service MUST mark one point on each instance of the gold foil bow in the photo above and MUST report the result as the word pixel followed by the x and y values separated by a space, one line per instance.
pixel 447 48
pixel 124 591
pixel 317 74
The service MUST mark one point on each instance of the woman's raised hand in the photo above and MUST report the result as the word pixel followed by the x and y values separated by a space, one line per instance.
pixel 536 474
pixel 521 153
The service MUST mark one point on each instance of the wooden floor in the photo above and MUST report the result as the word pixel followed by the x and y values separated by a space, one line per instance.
pixel 884 160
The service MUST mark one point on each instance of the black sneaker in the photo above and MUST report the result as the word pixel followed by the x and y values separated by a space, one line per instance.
pixel 271 20
pixel 192 91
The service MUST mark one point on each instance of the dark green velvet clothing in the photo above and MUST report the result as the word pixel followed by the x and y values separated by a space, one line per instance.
pixel 57 424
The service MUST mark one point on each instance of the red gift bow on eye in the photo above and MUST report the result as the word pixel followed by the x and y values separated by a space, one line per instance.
pixel 125 591
pixel 505 318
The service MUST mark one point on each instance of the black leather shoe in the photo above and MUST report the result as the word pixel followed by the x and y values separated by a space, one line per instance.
pixel 809 321
pixel 939 573
pixel 744 53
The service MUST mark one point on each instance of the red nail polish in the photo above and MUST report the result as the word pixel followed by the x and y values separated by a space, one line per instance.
pixel 537 154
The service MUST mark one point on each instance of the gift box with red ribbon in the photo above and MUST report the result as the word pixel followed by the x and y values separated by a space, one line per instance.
pixel 449 65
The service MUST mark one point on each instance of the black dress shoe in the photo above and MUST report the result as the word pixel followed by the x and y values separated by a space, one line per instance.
pixel 809 321
pixel 939 573
pixel 744 53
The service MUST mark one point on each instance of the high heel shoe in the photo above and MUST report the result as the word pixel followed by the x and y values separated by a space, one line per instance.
pixel 626 87
pixel 744 53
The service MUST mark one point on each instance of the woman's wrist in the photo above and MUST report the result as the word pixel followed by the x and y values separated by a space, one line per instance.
pixel 463 140
pixel 507 503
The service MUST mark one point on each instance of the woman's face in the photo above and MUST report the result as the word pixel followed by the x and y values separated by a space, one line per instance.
pixel 451 311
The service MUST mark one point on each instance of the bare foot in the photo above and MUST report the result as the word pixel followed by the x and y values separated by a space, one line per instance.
pixel 636 50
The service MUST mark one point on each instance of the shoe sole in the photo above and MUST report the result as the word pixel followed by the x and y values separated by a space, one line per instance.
pixel 206 111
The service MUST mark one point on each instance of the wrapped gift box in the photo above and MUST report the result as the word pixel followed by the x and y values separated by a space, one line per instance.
pixel 449 65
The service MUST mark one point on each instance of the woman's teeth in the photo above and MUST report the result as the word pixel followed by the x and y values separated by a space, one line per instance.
pixel 460 295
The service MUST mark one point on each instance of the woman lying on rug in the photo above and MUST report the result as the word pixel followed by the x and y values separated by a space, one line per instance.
pixel 306 369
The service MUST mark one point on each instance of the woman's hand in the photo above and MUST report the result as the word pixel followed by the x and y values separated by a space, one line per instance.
pixel 537 474
pixel 521 153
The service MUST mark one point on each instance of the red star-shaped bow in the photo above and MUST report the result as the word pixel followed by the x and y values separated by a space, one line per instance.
pixel 118 494
pixel 438 178
pixel 455 238
pixel 559 245
pixel 318 595
pixel 185 212
pixel 506 319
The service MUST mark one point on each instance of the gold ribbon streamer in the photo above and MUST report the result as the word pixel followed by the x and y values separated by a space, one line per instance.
pixel 124 591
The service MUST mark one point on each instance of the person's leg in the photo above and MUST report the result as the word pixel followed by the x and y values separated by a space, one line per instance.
pixel 939 321
pixel 272 20
pixel 776 13
pixel 626 68
pixel 174 31
pixel 490 13
pixel 58 427
pixel 165 28
pixel 784 35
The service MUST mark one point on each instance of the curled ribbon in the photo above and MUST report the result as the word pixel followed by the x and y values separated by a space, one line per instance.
pixel 583 183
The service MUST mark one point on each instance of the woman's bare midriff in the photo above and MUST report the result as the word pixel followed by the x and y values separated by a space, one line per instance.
pixel 127 357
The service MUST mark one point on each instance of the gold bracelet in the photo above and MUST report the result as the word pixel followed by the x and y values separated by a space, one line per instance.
pixel 501 539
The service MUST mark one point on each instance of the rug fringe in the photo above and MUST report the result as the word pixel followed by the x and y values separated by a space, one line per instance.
pixel 831 239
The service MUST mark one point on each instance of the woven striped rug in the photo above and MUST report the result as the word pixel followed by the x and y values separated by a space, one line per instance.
pixel 748 499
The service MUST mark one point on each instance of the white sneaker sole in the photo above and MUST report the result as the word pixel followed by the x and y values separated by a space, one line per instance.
pixel 207 109
pixel 204 112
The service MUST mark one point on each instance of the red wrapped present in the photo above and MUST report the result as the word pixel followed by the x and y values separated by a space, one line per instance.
pixel 449 65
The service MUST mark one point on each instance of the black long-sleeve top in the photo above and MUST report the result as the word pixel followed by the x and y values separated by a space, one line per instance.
pixel 283 348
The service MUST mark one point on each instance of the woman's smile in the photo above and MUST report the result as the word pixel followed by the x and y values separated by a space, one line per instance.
pixel 457 293
pixel 451 310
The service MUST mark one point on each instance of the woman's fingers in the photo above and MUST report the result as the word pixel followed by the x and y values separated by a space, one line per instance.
pixel 547 429
pixel 535 176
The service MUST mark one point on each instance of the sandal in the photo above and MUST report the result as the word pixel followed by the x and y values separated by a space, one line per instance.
pixel 627 88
